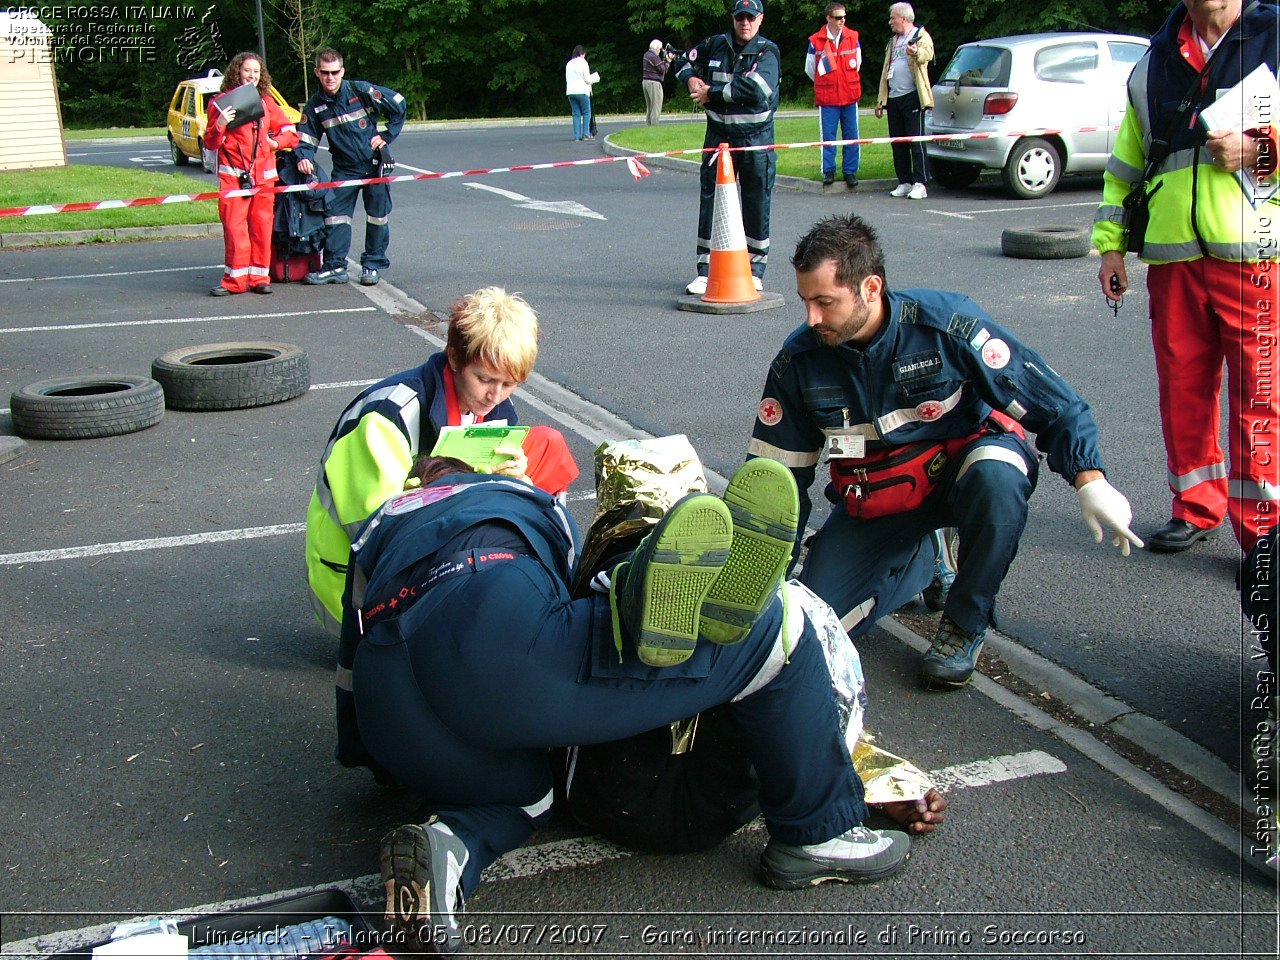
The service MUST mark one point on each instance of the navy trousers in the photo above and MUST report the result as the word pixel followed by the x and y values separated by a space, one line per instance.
pixel 461 697
pixel 756 171
pixel 377 230
pixel 866 569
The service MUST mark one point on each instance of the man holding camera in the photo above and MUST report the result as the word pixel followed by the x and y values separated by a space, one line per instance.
pixel 734 76
pixel 657 59
pixel 348 111
pixel 1210 240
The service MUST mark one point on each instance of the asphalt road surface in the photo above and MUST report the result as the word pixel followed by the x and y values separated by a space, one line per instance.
pixel 167 722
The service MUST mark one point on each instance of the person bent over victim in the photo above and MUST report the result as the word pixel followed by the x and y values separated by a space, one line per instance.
pixel 490 349
pixel 463 660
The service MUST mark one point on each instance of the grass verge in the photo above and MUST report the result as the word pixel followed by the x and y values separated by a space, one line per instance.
pixel 805 162
pixel 80 184
pixel 109 133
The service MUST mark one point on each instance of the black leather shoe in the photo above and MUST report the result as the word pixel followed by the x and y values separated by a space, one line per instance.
pixel 220 291
pixel 828 179
pixel 261 288
pixel 1178 535
pixel 851 182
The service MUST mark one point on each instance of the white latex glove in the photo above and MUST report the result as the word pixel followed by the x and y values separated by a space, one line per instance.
pixel 516 467
pixel 1105 506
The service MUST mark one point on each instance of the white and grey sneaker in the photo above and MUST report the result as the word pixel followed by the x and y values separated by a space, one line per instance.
pixel 901 190
pixel 697 287
pixel 858 855
pixel 917 192
pixel 422 871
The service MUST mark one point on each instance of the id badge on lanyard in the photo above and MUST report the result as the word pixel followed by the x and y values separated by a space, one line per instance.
pixel 846 444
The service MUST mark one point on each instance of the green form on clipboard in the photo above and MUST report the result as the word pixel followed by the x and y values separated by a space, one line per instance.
pixel 476 444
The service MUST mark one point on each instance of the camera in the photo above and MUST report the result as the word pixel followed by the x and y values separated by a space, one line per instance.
pixel 670 52
pixel 383 165
pixel 246 181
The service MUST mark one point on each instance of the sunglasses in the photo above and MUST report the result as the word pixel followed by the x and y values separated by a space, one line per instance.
pixel 833 17
pixel 330 73
pixel 744 17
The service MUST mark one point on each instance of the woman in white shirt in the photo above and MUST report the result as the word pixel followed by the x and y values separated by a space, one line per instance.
pixel 578 79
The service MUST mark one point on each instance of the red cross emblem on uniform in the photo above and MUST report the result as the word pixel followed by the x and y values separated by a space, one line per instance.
pixel 770 412
pixel 929 410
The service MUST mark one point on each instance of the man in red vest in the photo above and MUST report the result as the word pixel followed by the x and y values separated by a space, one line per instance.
pixel 835 57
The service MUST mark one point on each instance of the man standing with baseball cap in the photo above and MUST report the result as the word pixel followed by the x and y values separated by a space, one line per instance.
pixel 734 76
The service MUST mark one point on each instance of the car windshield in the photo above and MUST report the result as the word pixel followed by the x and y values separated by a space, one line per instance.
pixel 1067 63
pixel 978 66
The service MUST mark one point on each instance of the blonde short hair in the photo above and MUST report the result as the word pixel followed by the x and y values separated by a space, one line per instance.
pixel 497 327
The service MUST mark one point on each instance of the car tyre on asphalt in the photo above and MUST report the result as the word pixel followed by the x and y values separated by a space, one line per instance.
pixel 230 376
pixel 208 158
pixel 180 159
pixel 86 407
pixel 953 174
pixel 1033 168
pixel 1046 243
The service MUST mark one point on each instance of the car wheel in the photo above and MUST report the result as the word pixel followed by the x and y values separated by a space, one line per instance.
pixel 952 174
pixel 180 159
pixel 1046 243
pixel 85 407
pixel 230 376
pixel 1033 168
pixel 208 158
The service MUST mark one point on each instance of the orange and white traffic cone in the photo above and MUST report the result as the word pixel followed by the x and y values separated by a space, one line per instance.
pixel 730 288
pixel 729 276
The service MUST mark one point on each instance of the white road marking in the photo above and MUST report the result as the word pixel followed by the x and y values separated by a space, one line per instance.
pixel 983 773
pixel 971 214
pixel 150 323
pixel 155 543
pixel 569 207
pixel 168 543
pixel 569 854
pixel 113 273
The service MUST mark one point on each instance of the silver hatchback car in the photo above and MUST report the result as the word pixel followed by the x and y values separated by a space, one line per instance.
pixel 1052 81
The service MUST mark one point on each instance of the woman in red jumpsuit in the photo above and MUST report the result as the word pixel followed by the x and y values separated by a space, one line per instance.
pixel 246 157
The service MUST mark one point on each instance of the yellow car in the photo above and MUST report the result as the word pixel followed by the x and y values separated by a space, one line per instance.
pixel 188 113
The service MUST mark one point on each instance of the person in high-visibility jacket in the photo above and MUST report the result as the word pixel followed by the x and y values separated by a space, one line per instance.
pixel 491 346
pixel 1210 244
pixel 247 157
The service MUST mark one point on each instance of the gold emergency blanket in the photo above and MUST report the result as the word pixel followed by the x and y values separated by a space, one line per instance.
pixel 637 482
pixel 887 778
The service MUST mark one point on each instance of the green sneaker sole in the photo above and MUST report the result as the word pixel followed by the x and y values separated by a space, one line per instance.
pixel 693 544
pixel 765 507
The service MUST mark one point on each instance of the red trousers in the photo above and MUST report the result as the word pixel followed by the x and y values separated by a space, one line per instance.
pixel 1203 313
pixel 246 236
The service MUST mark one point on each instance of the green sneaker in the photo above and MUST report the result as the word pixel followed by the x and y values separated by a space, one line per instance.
pixel 657 594
pixel 766 509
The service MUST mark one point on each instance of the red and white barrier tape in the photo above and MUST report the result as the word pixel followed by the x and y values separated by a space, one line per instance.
pixel 634 166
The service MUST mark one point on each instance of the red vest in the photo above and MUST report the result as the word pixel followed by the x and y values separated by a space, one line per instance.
pixel 841 84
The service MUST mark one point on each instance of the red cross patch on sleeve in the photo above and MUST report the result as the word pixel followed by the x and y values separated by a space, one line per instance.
pixel 770 412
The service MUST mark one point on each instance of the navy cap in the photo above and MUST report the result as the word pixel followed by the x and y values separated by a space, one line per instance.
pixel 753 7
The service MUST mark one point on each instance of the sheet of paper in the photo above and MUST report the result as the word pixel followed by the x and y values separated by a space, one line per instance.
pixel 1252 103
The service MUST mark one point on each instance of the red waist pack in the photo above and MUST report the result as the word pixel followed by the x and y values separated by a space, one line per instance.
pixel 900 479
